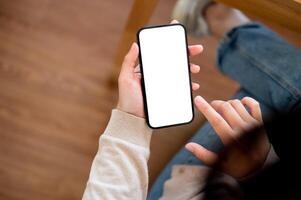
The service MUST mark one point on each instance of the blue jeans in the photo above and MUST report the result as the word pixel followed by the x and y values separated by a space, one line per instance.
pixel 267 68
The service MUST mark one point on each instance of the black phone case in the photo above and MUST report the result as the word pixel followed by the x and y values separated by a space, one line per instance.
pixel 142 76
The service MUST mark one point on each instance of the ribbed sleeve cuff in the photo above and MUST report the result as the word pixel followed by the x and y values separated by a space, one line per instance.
pixel 129 128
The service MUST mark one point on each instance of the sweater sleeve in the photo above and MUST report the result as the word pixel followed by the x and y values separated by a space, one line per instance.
pixel 119 169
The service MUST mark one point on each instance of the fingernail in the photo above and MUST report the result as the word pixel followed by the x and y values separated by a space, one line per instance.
pixel 189 147
pixel 199 99
pixel 199 46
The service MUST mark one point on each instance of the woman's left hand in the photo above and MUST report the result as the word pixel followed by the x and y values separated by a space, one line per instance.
pixel 129 81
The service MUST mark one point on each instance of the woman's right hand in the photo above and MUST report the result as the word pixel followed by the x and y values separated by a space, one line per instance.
pixel 232 121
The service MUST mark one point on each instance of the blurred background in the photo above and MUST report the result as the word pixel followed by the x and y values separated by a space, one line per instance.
pixel 59 63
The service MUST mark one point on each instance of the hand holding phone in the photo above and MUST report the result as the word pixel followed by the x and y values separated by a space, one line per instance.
pixel 167 88
pixel 129 81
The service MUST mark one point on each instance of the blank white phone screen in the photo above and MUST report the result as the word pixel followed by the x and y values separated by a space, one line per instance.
pixel 166 75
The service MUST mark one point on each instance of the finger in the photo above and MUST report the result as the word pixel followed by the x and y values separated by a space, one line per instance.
pixel 194 68
pixel 216 104
pixel 174 21
pixel 254 107
pixel 137 72
pixel 137 69
pixel 220 126
pixel 130 59
pixel 195 49
pixel 229 114
pixel 242 111
pixel 195 86
pixel 208 157
pixel 138 75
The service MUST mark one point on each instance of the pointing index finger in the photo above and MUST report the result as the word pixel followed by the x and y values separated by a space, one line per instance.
pixel 218 123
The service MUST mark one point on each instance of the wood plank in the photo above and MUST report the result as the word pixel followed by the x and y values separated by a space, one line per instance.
pixel 55 60
pixel 141 12
pixel 285 13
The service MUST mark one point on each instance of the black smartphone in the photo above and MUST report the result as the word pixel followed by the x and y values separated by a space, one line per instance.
pixel 166 81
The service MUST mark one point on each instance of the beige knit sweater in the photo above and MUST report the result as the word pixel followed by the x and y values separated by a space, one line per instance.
pixel 119 170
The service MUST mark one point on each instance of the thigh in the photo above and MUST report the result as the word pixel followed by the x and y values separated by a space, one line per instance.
pixel 264 64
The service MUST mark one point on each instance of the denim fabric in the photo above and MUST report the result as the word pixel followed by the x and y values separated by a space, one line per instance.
pixel 267 68
pixel 264 64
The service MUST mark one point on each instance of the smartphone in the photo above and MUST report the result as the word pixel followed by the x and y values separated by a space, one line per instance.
pixel 166 81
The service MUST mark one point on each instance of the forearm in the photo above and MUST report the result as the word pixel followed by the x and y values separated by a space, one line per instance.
pixel 119 170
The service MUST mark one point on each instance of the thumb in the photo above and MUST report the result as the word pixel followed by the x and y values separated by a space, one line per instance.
pixel 130 58
pixel 208 157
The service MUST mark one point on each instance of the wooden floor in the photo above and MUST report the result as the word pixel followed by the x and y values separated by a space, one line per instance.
pixel 56 95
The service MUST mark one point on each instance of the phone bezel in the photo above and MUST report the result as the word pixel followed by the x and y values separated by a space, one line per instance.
pixel 142 76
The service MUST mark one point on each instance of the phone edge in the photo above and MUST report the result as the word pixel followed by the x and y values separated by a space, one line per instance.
pixel 142 76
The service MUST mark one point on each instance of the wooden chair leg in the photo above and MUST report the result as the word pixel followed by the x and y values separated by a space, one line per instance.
pixel 140 14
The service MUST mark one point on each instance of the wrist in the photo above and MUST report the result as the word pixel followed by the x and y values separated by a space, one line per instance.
pixel 132 111
pixel 129 128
